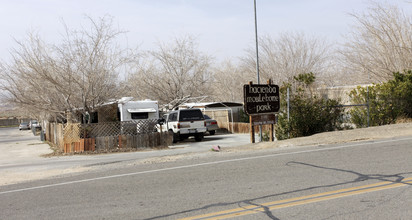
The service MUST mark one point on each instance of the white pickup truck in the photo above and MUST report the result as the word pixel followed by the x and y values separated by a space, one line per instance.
pixel 184 123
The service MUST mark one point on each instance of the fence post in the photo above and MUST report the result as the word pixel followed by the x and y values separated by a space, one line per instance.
pixel 271 138
pixel 288 107
pixel 252 130
pixel 368 106
pixel 228 122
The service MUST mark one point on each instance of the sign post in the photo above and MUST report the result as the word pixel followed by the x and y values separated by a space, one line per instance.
pixel 261 103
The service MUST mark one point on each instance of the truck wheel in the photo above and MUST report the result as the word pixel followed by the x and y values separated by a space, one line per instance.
pixel 183 137
pixel 175 137
pixel 198 137
pixel 212 132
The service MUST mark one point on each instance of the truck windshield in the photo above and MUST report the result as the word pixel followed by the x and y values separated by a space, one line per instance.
pixel 190 115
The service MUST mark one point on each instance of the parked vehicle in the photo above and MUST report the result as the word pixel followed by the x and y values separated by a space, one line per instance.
pixel 184 123
pixel 24 126
pixel 33 124
pixel 211 125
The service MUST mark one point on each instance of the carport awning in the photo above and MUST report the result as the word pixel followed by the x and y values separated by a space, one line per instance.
pixel 140 110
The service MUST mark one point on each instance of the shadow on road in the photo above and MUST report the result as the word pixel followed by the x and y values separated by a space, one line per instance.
pixel 359 177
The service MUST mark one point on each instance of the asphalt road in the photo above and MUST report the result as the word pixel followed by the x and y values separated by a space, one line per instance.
pixel 366 180
pixel 21 150
pixel 13 134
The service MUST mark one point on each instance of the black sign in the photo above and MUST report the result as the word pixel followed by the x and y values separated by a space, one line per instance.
pixel 261 98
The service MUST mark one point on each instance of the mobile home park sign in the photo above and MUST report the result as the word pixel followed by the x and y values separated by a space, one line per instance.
pixel 261 98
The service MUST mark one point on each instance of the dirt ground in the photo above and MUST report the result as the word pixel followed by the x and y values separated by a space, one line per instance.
pixel 34 150
pixel 335 137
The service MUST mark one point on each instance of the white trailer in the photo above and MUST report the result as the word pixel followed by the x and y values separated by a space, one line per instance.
pixel 137 110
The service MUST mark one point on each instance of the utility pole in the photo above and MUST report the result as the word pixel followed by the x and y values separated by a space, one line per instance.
pixel 257 47
pixel 257 61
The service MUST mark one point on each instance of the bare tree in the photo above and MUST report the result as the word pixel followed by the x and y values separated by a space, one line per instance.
pixel 79 74
pixel 228 82
pixel 287 56
pixel 380 43
pixel 173 73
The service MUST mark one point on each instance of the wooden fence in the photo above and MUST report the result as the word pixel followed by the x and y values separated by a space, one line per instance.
pixel 85 144
pixel 75 137
pixel 239 127
pixel 54 134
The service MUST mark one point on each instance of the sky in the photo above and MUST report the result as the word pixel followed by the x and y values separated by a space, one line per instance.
pixel 223 28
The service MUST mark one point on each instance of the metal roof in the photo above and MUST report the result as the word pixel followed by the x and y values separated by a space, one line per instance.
pixel 212 104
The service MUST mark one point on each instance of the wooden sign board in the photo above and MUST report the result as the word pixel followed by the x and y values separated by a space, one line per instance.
pixel 263 119
pixel 261 102
pixel 261 98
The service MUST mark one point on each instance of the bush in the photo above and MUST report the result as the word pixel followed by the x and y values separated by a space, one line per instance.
pixel 387 101
pixel 309 114
pixel 243 117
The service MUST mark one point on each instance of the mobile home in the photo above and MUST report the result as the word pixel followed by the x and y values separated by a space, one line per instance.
pixel 137 110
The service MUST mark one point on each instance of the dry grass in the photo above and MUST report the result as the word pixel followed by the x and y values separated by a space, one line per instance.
pixel 403 120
